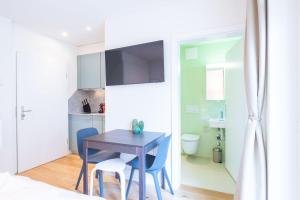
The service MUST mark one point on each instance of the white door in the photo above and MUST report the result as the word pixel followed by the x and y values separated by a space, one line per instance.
pixel 42 110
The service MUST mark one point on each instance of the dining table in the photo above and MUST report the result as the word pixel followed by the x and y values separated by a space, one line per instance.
pixel 123 141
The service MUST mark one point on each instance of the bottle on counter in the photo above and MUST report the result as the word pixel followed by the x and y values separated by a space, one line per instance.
pixel 102 108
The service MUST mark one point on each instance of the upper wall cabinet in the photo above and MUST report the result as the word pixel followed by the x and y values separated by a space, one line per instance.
pixel 102 71
pixel 91 71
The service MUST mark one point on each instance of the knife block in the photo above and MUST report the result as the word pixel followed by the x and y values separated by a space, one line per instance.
pixel 86 108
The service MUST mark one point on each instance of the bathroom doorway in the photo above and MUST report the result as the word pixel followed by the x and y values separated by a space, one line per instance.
pixel 212 112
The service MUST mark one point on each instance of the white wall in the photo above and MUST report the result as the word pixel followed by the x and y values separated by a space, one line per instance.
pixel 32 42
pixel 90 48
pixel 15 38
pixel 298 50
pixel 283 100
pixel 236 109
pixel 298 97
pixel 7 98
pixel 152 102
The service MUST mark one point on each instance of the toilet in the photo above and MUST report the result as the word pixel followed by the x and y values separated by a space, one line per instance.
pixel 189 143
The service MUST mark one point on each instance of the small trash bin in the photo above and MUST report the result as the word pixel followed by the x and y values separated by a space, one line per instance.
pixel 217 155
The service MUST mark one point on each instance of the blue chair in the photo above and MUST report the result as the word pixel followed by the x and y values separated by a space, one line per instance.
pixel 154 164
pixel 94 156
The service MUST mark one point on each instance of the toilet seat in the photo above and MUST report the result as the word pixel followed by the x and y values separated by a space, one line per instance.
pixel 190 137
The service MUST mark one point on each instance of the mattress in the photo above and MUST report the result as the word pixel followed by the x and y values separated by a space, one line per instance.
pixel 23 188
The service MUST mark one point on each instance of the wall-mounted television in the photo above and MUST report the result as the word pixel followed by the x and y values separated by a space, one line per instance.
pixel 142 63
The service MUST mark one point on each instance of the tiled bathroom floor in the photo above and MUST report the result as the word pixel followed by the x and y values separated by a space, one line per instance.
pixel 204 173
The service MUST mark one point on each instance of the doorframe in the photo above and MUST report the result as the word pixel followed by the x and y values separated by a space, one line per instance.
pixel 176 42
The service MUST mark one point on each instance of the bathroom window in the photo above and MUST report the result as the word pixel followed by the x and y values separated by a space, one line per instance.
pixel 214 82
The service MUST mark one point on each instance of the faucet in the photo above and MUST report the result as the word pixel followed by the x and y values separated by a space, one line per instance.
pixel 222 115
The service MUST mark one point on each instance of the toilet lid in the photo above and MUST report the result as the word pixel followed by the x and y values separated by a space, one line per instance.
pixel 190 137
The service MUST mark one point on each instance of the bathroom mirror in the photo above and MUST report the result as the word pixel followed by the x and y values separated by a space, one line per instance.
pixel 215 82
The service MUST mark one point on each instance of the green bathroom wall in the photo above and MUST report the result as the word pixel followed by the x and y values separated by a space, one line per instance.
pixel 195 109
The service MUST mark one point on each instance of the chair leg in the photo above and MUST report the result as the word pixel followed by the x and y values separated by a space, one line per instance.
pixel 129 182
pixel 168 180
pixel 157 186
pixel 117 177
pixel 122 185
pixel 163 182
pixel 100 178
pixel 79 178
pixel 92 182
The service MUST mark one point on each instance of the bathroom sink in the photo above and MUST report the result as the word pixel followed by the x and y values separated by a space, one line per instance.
pixel 216 123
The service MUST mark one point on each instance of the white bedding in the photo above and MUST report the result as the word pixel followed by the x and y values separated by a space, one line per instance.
pixel 23 188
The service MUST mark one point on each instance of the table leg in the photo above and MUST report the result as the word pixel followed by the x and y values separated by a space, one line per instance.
pixel 85 168
pixel 163 185
pixel 142 175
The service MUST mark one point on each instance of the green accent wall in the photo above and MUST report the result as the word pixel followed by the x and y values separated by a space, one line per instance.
pixel 195 109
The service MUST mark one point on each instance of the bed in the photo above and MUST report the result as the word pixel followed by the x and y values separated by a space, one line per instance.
pixel 23 188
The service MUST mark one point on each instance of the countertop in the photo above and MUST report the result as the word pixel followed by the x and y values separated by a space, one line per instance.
pixel 89 114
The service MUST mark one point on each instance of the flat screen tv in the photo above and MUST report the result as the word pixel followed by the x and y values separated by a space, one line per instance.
pixel 142 63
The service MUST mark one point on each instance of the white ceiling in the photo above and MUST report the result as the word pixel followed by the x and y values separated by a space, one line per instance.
pixel 52 17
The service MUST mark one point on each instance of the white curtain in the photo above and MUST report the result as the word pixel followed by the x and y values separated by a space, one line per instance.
pixel 252 181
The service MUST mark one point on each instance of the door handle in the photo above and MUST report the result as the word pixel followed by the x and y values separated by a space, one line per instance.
pixel 23 111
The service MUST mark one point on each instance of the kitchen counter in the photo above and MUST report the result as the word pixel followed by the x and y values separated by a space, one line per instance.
pixel 89 114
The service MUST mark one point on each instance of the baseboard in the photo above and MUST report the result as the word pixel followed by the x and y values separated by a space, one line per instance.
pixel 205 191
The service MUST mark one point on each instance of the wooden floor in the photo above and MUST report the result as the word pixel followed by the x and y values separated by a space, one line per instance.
pixel 64 173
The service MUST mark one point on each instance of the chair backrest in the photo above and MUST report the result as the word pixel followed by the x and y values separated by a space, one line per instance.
pixel 81 135
pixel 162 154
